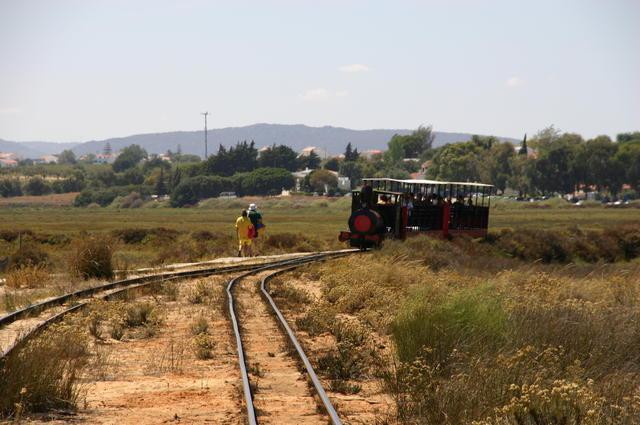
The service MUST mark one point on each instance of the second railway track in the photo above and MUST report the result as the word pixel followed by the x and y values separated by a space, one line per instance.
pixel 56 308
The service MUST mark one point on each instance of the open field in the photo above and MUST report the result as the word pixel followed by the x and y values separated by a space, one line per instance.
pixel 313 222
pixel 325 216
pixel 456 332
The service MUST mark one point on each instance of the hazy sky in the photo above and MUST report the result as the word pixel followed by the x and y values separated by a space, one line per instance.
pixel 81 70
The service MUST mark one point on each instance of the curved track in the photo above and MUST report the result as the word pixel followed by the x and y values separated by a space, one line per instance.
pixel 246 386
pixel 83 298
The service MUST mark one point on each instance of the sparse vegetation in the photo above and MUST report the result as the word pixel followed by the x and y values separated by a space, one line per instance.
pixel 44 374
pixel 202 346
pixel 27 277
pixel 91 257
pixel 202 292
pixel 472 344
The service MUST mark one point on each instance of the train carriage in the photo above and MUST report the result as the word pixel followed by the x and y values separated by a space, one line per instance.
pixel 391 208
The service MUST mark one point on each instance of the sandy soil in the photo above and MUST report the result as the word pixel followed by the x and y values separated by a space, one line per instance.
pixel 282 395
pixel 159 379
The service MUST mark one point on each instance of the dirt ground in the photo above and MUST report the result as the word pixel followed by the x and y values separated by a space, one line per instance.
pixel 158 378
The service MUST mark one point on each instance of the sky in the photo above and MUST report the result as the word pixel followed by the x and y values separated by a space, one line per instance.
pixel 78 70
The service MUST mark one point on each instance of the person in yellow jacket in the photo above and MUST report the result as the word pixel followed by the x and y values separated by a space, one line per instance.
pixel 244 230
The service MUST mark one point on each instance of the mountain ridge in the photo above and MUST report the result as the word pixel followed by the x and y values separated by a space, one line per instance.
pixel 297 136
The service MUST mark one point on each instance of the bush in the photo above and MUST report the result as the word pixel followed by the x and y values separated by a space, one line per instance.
pixel 263 181
pixel 10 187
pixel 202 346
pixel 292 242
pixel 567 245
pixel 200 326
pixel 28 255
pixel 45 374
pixel 37 186
pixel 91 257
pixel 132 200
pixel 193 189
pixel 142 313
pixel 27 277
pixel 464 318
pixel 139 235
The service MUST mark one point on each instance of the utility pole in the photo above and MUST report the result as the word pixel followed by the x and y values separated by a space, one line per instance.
pixel 205 134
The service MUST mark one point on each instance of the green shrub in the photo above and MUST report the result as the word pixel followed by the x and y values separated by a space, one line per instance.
pixel 464 318
pixel 37 186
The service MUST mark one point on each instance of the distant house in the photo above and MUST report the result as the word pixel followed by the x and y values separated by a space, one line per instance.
pixel 321 152
pixel 46 159
pixel 344 183
pixel 102 158
pixel 8 159
pixel 299 177
pixel 370 153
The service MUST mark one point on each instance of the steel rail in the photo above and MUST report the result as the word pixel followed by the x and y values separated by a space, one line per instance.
pixel 331 411
pixel 246 386
pixel 120 286
pixel 82 293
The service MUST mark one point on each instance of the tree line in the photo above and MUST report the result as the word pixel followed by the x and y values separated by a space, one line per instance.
pixel 549 162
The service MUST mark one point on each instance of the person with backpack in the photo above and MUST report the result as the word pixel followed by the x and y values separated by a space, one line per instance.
pixel 256 220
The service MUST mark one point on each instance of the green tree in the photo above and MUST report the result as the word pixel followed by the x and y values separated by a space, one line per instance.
pixel 160 187
pixel 353 170
pixel 456 162
pixel 412 145
pixel 496 163
pixel 311 161
pixel 628 158
pixel 10 187
pixel 522 172
pixel 395 151
pixel 320 180
pixel 351 154
pixel 129 157
pixel 37 186
pixel 484 142
pixel 67 157
pixel 596 164
pixel 628 137
pixel 131 176
pixel 332 164
pixel 555 167
pixel 279 156
pixel 264 181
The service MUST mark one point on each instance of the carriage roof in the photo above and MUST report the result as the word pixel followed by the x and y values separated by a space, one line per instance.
pixel 426 182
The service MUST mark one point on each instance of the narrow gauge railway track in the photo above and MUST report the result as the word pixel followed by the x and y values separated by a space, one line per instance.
pixel 242 356
pixel 83 297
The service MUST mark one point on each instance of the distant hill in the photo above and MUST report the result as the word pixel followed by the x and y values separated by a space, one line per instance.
pixel 333 139
pixel 34 149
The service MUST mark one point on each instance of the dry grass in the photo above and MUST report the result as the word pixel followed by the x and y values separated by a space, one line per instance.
pixel 531 344
pixel 91 257
pixel 27 277
pixel 45 374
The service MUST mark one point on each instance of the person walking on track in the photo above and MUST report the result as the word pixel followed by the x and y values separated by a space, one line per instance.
pixel 258 226
pixel 244 231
